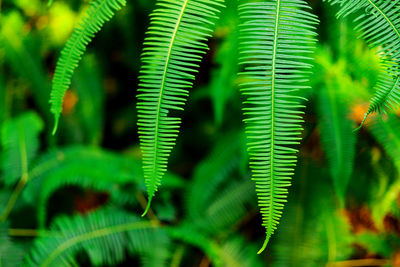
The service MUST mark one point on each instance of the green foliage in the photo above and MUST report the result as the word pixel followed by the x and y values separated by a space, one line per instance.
pixel 380 28
pixel 275 69
pixel 335 124
pixel 89 109
pixel 20 141
pixel 173 47
pixel 224 82
pixel 386 132
pixel 98 13
pixel 215 199
pixel 75 201
pixel 24 58
pixel 104 235
pixel 313 233
pixel 11 254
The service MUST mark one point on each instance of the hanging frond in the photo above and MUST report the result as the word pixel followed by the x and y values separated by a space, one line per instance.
pixel 387 95
pixel 104 236
pixel 98 13
pixel 173 49
pixel 276 42
pixel 380 27
pixel 378 24
pixel 20 141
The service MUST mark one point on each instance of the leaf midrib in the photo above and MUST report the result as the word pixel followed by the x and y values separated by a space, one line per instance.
pixel 64 73
pixel 171 45
pixel 272 114
pixel 95 234
pixel 387 19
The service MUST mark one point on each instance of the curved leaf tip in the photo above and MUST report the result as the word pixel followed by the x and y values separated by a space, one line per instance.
pixel 147 207
pixel 264 245
pixel 56 120
pixel 362 122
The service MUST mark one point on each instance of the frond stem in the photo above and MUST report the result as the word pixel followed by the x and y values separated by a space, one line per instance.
pixel 160 97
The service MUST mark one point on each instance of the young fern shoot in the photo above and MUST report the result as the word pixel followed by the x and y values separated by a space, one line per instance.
pixel 276 41
pixel 172 51
pixel 98 13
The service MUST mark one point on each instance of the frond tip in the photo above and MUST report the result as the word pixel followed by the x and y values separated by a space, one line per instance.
pixel 147 206
pixel 173 48
pixel 276 40
pixel 99 12
pixel 264 245
pixel 387 95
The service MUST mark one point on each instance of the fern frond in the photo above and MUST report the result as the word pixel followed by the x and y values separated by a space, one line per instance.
pixel 81 159
pixel 173 47
pixel 20 141
pixel 97 177
pixel 277 38
pixel 380 27
pixel 103 235
pixel 98 13
pixel 378 23
pixel 387 95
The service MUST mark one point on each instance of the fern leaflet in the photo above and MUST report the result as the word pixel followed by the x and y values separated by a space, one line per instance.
pixel 98 13
pixel 277 38
pixel 173 47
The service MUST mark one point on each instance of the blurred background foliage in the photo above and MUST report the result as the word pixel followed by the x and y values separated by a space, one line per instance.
pixel 74 199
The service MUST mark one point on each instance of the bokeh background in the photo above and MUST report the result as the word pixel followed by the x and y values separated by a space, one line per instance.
pixel 343 205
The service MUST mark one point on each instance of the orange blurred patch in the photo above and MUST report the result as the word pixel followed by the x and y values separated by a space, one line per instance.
pixel 358 112
pixel 70 100
pixel 396 259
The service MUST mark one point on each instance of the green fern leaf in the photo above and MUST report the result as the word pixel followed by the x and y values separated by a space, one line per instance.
pixel 104 235
pixel 379 24
pixel 380 27
pixel 387 95
pixel 98 13
pixel 276 41
pixel 173 47
pixel 78 160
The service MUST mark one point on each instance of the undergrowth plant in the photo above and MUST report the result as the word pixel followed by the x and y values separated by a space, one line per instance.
pixel 272 57
pixel 276 44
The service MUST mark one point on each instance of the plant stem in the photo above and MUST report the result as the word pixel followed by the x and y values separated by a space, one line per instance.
pixel 359 263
